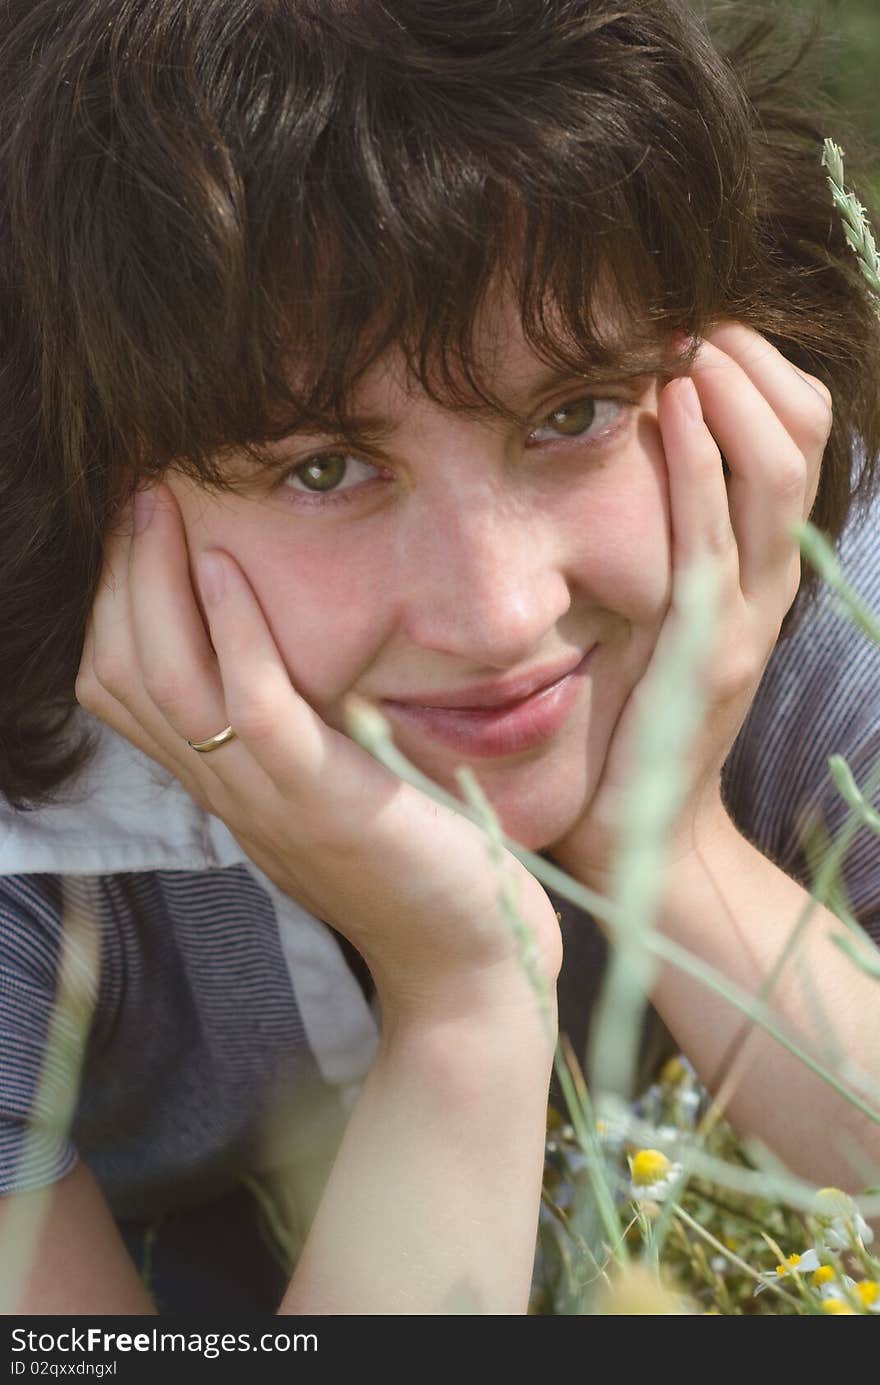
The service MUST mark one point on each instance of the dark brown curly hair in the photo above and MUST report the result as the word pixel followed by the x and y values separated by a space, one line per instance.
pixel 194 197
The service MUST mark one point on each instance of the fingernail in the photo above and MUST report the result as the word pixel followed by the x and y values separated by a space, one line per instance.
pixel 144 504
pixel 690 400
pixel 212 578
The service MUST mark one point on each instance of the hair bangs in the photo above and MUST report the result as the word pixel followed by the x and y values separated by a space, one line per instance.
pixel 405 215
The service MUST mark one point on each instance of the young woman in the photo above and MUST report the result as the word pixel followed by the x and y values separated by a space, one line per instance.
pixel 408 351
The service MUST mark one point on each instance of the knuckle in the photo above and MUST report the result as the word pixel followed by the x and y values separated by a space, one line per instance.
pixel 820 426
pixel 111 675
pixel 255 722
pixel 819 415
pixel 719 540
pixel 790 479
pixel 822 390
pixel 173 687
pixel 737 675
pixel 166 686
pixel 87 690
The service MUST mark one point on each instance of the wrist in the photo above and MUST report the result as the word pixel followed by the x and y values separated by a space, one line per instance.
pixel 500 1003
pixel 514 977
pixel 503 1050
pixel 704 829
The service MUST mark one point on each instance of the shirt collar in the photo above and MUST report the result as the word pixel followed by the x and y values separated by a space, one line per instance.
pixel 121 812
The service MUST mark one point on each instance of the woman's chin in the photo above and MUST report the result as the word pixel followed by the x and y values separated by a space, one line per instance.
pixel 537 799
pixel 537 818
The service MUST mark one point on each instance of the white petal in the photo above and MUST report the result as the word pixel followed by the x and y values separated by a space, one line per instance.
pixel 809 1261
pixel 836 1236
pixel 834 1287
pixel 864 1231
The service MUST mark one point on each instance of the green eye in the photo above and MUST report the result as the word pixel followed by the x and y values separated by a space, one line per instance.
pixel 323 473
pixel 330 477
pixel 592 421
pixel 573 419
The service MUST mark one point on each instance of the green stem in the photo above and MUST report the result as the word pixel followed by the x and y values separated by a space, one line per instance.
pixel 584 1128
pixel 734 1259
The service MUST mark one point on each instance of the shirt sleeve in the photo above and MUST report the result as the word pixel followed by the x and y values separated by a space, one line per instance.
pixel 829 814
pixel 819 697
pixel 42 1026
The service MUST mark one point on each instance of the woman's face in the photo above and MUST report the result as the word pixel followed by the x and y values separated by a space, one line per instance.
pixel 460 559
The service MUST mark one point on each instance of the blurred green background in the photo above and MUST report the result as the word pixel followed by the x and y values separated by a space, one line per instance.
pixel 851 60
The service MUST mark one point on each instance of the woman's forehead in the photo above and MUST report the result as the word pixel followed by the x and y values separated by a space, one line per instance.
pixel 510 368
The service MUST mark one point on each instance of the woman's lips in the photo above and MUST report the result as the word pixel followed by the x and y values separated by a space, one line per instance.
pixel 509 729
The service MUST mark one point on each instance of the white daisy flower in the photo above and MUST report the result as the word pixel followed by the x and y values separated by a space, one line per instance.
pixel 828 1283
pixel 652 1175
pixel 840 1221
pixel 805 1263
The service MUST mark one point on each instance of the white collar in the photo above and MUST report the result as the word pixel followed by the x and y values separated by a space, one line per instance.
pixel 122 813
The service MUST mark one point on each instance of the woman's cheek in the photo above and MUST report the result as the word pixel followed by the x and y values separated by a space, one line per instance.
pixel 622 552
pixel 327 607
pixel 321 598
pixel 638 522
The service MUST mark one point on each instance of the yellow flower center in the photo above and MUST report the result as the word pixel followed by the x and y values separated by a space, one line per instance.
pixel 867 1292
pixel 822 1275
pixel 790 1264
pixel 673 1072
pixel 837 1305
pixel 648 1166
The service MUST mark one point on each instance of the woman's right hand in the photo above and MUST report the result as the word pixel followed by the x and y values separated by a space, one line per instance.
pixel 408 881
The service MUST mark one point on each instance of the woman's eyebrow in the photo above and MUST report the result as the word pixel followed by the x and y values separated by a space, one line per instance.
pixel 520 403
pixel 364 429
pixel 377 429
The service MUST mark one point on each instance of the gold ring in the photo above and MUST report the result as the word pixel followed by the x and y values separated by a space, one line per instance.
pixel 213 741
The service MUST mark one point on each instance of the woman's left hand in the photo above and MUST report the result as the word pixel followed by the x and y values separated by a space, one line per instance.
pixel 771 422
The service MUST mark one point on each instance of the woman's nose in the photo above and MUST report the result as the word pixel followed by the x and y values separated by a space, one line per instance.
pixel 484 581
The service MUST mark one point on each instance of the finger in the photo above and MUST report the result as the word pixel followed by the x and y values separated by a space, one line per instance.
pixel 775 373
pixel 295 747
pixel 108 678
pixel 768 481
pixel 699 515
pixel 177 692
pixel 124 724
pixel 801 402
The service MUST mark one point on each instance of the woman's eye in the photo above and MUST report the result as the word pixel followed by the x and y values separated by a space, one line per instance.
pixel 574 419
pixel 332 472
